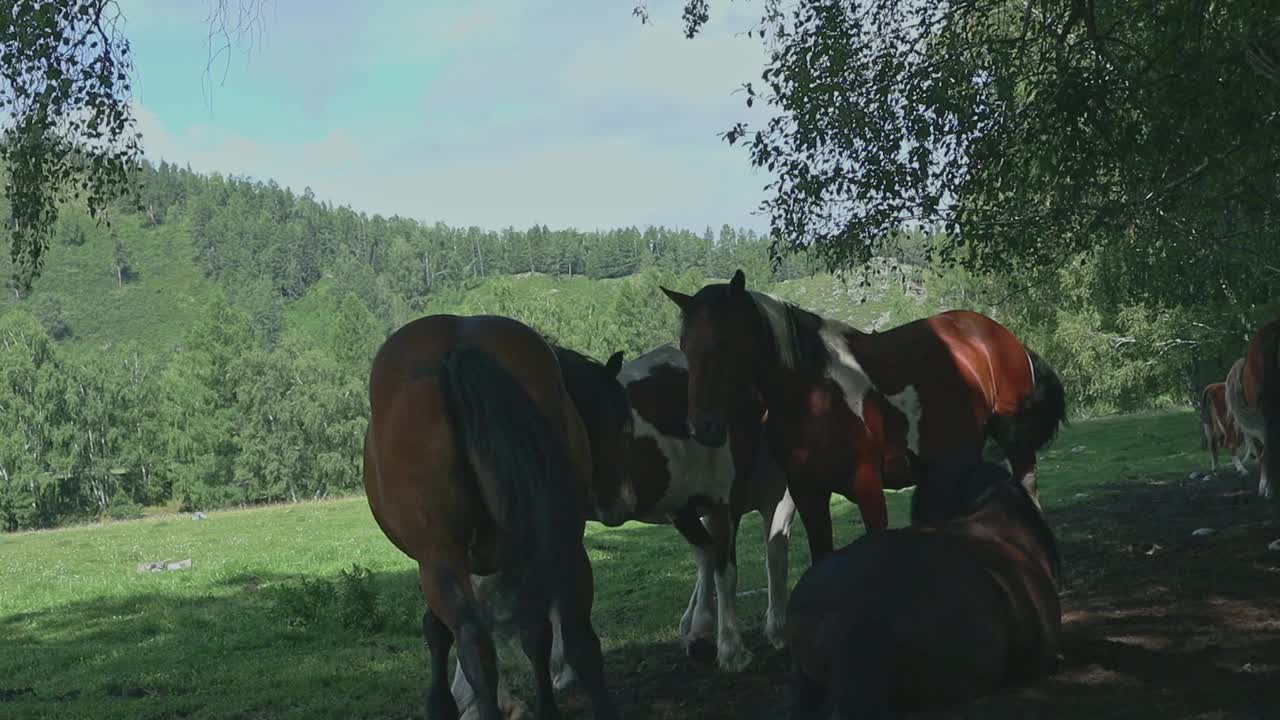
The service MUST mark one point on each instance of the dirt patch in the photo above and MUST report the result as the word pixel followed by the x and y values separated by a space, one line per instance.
pixel 1158 623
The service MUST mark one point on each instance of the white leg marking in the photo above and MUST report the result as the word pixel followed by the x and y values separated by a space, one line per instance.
pixel 465 697
pixel 731 654
pixel 562 675
pixel 701 614
pixel 776 540
pixel 1264 483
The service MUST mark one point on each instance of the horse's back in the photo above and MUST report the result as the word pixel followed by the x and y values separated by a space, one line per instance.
pixel 961 365
pixel 417 485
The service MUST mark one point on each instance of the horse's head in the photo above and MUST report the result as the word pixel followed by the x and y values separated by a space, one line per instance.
pixel 963 485
pixel 721 337
pixel 602 404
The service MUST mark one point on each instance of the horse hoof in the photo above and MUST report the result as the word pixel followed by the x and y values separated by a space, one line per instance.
pixel 734 662
pixel 564 680
pixel 701 649
pixel 774 632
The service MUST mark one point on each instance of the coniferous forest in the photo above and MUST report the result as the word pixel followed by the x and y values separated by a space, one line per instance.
pixel 209 346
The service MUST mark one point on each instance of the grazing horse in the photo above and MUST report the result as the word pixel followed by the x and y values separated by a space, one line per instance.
pixel 1218 429
pixel 853 412
pixel 1253 395
pixel 959 605
pixel 477 463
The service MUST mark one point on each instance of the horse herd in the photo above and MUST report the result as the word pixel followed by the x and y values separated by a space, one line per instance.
pixel 488 448
pixel 1241 413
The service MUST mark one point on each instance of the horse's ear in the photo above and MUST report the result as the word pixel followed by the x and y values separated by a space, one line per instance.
pixel 678 298
pixel 738 284
pixel 614 366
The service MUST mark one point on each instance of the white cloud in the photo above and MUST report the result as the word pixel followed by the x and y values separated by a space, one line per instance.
pixel 610 126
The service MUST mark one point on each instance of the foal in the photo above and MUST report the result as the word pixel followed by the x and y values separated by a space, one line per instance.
pixel 960 604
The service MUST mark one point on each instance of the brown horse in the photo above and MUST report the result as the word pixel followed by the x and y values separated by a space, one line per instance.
pixel 477 463
pixel 1217 428
pixel 851 412
pixel 959 605
pixel 1253 395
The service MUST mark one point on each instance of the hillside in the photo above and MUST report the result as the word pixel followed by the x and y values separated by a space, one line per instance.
pixel 79 286
pixel 210 348
pixel 166 292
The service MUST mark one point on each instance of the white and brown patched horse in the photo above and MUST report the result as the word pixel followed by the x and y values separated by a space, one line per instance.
pixel 1253 396
pixel 852 412
pixel 703 492
pixel 1218 428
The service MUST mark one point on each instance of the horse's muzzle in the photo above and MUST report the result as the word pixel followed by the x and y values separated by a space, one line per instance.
pixel 622 508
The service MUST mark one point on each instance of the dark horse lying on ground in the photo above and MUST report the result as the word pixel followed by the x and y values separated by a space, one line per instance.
pixel 476 463
pixel 960 604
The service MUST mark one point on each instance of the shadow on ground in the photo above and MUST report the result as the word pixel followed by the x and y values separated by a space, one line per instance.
pixel 1159 624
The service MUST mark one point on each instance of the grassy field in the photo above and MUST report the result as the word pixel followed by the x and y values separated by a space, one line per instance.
pixel 262 625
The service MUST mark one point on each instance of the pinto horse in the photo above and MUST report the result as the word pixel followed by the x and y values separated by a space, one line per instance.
pixel 959 605
pixel 852 412
pixel 1217 427
pixel 477 463
pixel 704 491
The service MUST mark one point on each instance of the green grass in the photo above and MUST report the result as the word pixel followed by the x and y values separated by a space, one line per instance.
pixel 93 638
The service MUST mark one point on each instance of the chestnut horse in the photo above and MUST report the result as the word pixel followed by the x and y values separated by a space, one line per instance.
pixel 852 412
pixel 477 463
pixel 1253 395
pixel 1218 429
pixel 703 492
pixel 959 605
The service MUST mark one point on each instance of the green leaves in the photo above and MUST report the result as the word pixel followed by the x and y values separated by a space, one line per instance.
pixel 1028 132
pixel 68 124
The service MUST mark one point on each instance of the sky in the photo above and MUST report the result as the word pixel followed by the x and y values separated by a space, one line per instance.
pixel 491 113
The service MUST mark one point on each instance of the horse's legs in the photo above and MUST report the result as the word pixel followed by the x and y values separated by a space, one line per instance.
pixel 1213 453
pixel 536 637
pixel 731 654
pixel 1023 468
pixel 581 644
pixel 453 608
pixel 562 670
pixel 441 704
pixel 1235 460
pixel 1264 482
pixel 814 506
pixel 777 535
pixel 699 618
pixel 869 494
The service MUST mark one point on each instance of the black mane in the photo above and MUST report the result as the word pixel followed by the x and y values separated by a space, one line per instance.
pixel 596 394
pixel 961 486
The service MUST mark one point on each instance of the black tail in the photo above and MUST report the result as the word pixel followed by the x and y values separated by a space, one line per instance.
pixel 1038 417
pixel 534 499
pixel 1269 404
